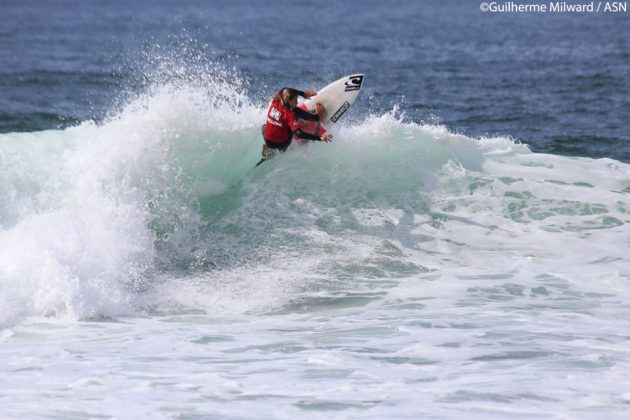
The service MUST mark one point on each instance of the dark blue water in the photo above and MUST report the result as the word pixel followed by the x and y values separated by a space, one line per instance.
pixel 558 82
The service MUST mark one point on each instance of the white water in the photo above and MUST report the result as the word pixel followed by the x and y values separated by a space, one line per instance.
pixel 401 271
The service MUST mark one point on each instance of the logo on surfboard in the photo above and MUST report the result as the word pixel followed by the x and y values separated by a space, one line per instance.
pixel 342 109
pixel 354 83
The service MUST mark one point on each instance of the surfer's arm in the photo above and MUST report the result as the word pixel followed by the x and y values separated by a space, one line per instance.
pixel 305 115
pixel 295 127
pixel 303 94
pixel 306 136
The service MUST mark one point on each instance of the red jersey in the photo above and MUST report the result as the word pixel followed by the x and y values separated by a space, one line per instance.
pixel 281 122
pixel 309 126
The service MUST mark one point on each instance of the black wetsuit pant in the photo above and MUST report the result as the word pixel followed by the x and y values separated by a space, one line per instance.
pixel 270 148
pixel 278 146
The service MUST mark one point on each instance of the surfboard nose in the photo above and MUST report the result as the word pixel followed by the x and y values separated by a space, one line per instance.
pixel 354 82
pixel 337 97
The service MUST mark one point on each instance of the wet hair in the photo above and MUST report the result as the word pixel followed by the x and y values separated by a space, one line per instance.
pixel 288 94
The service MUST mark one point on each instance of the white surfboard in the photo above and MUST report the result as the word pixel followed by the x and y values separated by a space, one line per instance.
pixel 337 98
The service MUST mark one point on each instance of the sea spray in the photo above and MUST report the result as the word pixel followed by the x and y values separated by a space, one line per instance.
pixel 93 214
pixel 88 213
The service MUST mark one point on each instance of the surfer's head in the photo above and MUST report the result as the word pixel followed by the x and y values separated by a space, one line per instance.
pixel 289 98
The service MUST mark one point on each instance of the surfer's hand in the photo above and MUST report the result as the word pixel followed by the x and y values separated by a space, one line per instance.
pixel 327 138
pixel 319 108
pixel 309 94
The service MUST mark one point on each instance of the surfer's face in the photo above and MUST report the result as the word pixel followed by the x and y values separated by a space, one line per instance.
pixel 293 102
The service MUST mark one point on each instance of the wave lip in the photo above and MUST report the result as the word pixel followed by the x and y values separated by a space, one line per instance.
pixel 90 214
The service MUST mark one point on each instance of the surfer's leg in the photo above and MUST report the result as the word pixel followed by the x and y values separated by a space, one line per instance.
pixel 267 153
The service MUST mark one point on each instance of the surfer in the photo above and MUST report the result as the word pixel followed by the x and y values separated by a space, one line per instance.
pixel 283 125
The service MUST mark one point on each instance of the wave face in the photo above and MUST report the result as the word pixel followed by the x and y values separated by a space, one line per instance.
pixel 158 209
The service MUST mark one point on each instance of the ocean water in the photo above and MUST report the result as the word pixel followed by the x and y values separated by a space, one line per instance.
pixel 460 250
